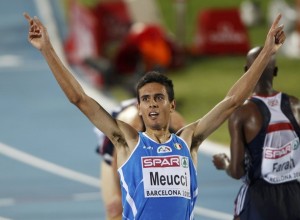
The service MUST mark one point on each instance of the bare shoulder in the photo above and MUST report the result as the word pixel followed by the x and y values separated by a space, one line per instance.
pixel 186 131
pixel 245 111
pixel 294 101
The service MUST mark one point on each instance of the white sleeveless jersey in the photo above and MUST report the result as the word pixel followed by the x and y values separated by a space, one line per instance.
pixel 281 151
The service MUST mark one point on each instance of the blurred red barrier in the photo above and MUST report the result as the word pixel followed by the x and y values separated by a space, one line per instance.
pixel 220 32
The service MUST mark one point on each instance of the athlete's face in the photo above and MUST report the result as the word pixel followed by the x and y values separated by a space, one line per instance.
pixel 154 106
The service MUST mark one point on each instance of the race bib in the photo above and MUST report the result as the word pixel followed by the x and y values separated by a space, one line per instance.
pixel 166 176
pixel 282 164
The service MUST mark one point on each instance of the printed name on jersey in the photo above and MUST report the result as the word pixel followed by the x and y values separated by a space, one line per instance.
pixel 156 179
pixel 164 149
pixel 287 165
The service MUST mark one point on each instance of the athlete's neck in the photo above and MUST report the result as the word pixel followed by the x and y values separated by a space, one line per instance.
pixel 265 93
pixel 160 136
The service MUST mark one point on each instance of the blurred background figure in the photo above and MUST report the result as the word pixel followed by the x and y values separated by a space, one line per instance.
pixel 116 43
pixel 288 11
pixel 291 14
pixel 251 12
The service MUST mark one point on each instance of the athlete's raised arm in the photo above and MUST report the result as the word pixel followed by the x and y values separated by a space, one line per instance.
pixel 114 129
pixel 238 93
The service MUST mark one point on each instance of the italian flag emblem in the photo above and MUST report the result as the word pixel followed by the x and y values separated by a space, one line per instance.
pixel 177 146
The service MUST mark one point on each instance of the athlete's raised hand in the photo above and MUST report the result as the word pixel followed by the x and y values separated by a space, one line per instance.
pixel 37 33
pixel 276 35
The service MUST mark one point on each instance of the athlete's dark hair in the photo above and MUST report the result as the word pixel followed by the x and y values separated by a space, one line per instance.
pixel 156 77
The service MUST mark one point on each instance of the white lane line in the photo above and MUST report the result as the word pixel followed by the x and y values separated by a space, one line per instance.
pixel 7 202
pixel 46 12
pixel 48 166
pixel 10 61
pixel 2 218
pixel 210 148
pixel 79 197
pixel 86 196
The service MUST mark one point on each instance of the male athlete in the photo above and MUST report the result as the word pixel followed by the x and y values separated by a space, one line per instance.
pixel 265 151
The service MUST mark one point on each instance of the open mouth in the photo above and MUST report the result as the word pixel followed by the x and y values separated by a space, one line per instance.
pixel 153 115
